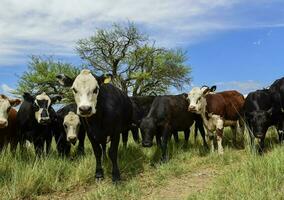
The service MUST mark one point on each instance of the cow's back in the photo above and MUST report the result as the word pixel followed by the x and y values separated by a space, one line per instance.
pixel 172 109
pixel 258 100
pixel 114 109
pixel 227 104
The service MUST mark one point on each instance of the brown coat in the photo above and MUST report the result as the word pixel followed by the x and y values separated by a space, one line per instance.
pixel 9 133
pixel 227 104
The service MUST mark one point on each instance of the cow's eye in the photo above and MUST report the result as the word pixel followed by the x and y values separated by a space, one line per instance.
pixel 74 90
pixel 8 109
pixel 198 99
pixel 95 91
pixel 65 126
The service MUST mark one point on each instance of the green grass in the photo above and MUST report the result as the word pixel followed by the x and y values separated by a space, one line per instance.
pixel 239 174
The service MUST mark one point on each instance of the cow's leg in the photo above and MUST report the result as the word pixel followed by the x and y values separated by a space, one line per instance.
pixel 186 136
pixel 39 146
pixel 281 136
pixel 81 145
pixel 135 134
pixel 13 145
pixel 158 140
pixel 219 141
pixel 98 154
pixel 103 146
pixel 199 126
pixel 125 138
pixel 210 138
pixel 234 131
pixel 48 143
pixel 252 140
pixel 261 145
pixel 165 136
pixel 113 156
pixel 175 134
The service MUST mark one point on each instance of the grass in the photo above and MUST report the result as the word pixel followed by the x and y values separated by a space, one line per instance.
pixel 192 173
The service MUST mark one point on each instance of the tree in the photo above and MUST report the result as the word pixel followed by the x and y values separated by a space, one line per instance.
pixel 41 76
pixel 138 67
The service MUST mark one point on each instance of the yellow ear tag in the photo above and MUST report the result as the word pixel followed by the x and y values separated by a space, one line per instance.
pixel 107 80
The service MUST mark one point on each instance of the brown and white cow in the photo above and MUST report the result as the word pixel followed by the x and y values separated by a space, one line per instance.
pixel 218 110
pixel 8 128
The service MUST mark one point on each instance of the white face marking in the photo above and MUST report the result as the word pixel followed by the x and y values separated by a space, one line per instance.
pixel 38 114
pixel 4 108
pixel 85 89
pixel 196 99
pixel 71 125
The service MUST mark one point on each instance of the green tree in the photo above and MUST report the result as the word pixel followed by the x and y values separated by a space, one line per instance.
pixel 41 76
pixel 137 65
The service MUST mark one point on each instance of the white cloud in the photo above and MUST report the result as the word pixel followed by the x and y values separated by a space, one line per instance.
pixel 6 89
pixel 52 27
pixel 243 86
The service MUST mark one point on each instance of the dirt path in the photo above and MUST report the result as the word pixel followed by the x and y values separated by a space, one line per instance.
pixel 181 187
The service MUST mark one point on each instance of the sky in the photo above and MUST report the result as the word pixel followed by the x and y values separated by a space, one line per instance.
pixel 234 44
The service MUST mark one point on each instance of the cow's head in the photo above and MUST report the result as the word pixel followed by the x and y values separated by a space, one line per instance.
pixel 5 105
pixel 196 98
pixel 148 129
pixel 259 121
pixel 71 125
pixel 85 88
pixel 41 105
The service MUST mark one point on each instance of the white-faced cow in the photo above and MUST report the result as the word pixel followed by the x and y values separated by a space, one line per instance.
pixel 8 126
pixel 217 110
pixel 106 110
pixel 69 130
pixel 36 119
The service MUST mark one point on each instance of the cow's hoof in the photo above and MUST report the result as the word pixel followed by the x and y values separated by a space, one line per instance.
pixel 164 160
pixel 116 179
pixel 99 175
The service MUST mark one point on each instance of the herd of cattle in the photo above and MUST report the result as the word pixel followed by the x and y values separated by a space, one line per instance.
pixel 104 112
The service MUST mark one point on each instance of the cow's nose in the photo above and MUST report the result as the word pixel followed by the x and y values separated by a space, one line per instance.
pixel 3 123
pixel 72 139
pixel 85 110
pixel 191 108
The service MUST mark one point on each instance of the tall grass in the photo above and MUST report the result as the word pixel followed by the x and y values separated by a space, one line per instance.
pixel 242 175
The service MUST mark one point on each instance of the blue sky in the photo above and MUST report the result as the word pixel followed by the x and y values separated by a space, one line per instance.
pixel 235 44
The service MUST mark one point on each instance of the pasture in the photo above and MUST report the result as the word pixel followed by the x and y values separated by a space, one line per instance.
pixel 191 173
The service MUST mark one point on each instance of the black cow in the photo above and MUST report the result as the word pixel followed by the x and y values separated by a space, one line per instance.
pixel 168 114
pixel 107 112
pixel 140 107
pixel 35 120
pixel 262 109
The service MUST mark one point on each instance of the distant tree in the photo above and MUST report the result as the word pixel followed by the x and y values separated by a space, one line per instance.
pixel 137 65
pixel 41 77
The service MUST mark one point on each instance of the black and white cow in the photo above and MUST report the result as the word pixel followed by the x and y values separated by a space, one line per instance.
pixel 69 130
pixel 168 114
pixel 35 120
pixel 107 112
pixel 264 108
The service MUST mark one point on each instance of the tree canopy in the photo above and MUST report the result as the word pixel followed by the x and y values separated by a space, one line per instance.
pixel 138 66
pixel 41 76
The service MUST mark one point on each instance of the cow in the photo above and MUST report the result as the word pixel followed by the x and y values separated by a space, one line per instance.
pixel 140 108
pixel 107 112
pixel 35 120
pixel 217 110
pixel 8 125
pixel 264 108
pixel 69 130
pixel 168 114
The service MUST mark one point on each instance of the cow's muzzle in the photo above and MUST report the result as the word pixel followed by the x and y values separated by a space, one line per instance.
pixel 85 110
pixel 3 123
pixel 72 140
pixel 147 144
pixel 192 109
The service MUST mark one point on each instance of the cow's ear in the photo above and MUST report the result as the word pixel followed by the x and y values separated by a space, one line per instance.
pixel 64 80
pixel 28 97
pixel 213 88
pixel 207 90
pixel 106 78
pixel 14 102
pixel 56 98
pixel 185 95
